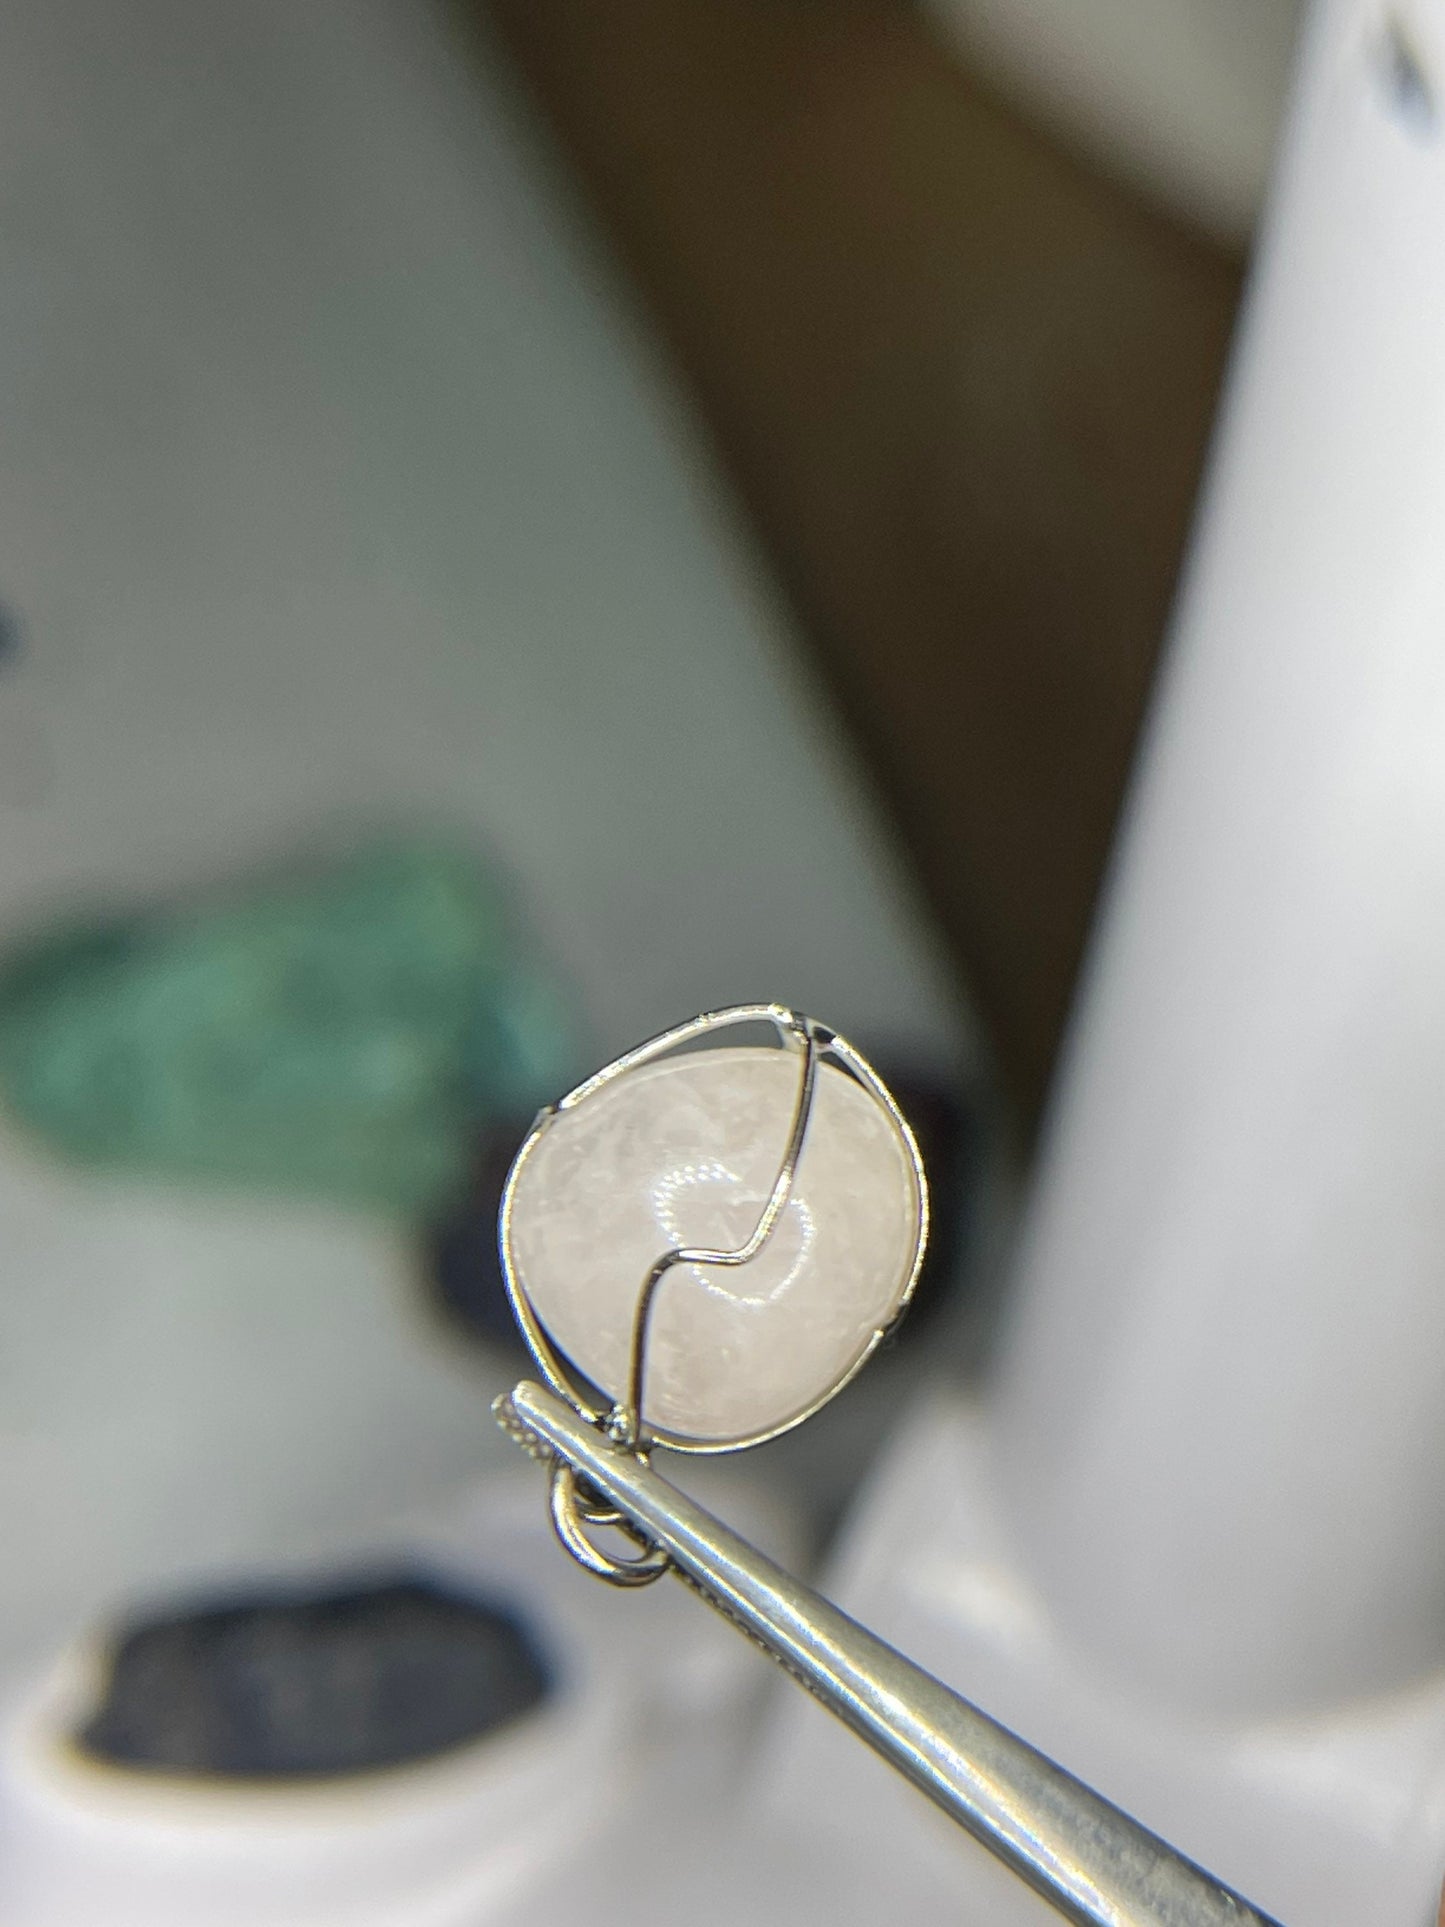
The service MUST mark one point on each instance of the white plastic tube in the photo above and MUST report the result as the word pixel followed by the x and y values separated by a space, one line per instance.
pixel 1222 1404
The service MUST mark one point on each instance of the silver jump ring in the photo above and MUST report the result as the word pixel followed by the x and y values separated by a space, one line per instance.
pixel 569 1512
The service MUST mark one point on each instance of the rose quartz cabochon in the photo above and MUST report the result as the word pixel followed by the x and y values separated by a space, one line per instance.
pixel 685 1151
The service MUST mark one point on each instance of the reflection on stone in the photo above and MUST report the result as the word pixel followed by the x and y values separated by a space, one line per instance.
pixel 685 1151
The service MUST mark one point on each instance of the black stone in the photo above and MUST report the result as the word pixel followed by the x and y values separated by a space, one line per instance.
pixel 463 1265
pixel 304 1685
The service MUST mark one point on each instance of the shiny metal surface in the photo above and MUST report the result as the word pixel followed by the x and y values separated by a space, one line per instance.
pixel 1094 1864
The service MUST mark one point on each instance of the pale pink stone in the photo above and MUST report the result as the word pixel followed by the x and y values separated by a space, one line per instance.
pixel 685 1151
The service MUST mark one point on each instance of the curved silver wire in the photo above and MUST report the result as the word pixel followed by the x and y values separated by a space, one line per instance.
pixel 571 1512
pixel 625 1422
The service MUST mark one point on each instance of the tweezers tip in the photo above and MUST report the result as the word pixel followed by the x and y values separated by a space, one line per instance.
pixel 505 1412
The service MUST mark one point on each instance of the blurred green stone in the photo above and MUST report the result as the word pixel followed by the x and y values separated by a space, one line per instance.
pixel 343 1035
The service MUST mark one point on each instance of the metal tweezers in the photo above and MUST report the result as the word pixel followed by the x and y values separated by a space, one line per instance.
pixel 1089 1860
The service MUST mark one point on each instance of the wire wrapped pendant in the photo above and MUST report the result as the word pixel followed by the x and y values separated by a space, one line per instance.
pixel 707 1239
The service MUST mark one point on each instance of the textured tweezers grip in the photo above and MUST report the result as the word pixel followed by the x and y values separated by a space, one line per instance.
pixel 1092 1862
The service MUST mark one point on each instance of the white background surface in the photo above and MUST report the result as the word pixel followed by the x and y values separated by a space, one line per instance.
pixel 1182 98
pixel 334 486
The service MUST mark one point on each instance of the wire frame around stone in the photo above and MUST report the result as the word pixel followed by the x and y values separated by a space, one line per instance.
pixel 623 1416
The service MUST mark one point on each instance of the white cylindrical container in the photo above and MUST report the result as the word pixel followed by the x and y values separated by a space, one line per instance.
pixel 1181 98
pixel 1221 1413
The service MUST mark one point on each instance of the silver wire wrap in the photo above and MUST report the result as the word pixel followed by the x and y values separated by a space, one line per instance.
pixel 572 1510
pixel 625 1423
pixel 577 1512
